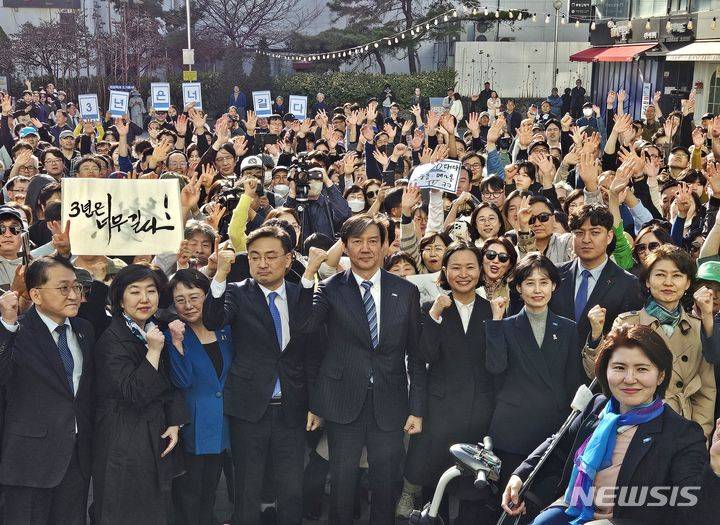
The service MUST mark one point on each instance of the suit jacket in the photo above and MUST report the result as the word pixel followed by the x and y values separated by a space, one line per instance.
pixel 668 451
pixel 39 431
pixel 351 360
pixel 195 375
pixel 536 384
pixel 616 290
pixel 258 359
pixel 460 390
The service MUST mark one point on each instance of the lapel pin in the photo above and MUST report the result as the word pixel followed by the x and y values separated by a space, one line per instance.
pixel 554 337
pixel 647 439
pixel 394 294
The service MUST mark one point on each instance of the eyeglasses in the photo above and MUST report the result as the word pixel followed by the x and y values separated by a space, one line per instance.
pixel 490 255
pixel 433 248
pixel 269 259
pixel 492 194
pixel 652 246
pixel 543 217
pixel 15 230
pixel 180 301
pixel 488 219
pixel 65 290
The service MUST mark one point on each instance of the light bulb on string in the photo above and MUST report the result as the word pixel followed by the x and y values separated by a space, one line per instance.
pixel 435 22
pixel 577 23
pixel 427 27
pixel 445 18
pixel 611 24
pixel 547 19
pixel 668 26
pixel 510 15
pixel 377 45
pixel 592 26
pixel 520 16
pixel 690 25
pixel 562 19
pixel 402 36
pixel 397 40
pixel 648 27
pixel 713 24
pixel 454 13
pixel 474 11
pixel 497 13
pixel 534 17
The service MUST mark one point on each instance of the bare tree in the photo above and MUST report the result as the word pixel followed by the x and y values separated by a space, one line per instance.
pixel 242 23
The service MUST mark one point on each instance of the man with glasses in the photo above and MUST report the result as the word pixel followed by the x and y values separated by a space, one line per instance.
pixel 11 228
pixel 591 281
pixel 46 369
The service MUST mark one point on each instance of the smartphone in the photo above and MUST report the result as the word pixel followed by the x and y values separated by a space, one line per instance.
pixel 25 240
pixel 388 177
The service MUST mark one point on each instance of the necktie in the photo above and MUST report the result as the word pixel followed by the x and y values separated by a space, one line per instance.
pixel 370 312
pixel 582 295
pixel 65 354
pixel 275 313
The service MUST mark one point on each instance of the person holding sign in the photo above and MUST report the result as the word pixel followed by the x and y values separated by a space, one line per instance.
pixel 139 410
pixel 46 370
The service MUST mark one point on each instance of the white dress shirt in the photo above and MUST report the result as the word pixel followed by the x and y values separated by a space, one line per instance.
pixel 465 311
pixel 592 280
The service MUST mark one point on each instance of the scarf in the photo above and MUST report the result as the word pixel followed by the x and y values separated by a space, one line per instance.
pixel 596 454
pixel 135 328
pixel 668 320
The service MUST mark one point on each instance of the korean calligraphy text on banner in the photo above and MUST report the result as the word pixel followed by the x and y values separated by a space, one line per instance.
pixel 123 217
pixel 443 175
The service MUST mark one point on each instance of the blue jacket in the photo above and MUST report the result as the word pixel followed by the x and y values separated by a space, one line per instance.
pixel 194 374
pixel 239 102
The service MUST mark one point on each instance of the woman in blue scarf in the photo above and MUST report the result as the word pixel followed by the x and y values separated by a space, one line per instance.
pixel 668 277
pixel 628 456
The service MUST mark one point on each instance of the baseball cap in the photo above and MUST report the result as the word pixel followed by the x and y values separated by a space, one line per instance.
pixel 29 130
pixel 66 133
pixel 709 271
pixel 8 212
pixel 251 162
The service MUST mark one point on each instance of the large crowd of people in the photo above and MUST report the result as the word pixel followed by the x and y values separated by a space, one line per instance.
pixel 326 319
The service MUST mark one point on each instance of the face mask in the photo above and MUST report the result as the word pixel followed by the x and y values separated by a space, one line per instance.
pixel 281 189
pixel 588 112
pixel 356 205
pixel 267 179
pixel 315 188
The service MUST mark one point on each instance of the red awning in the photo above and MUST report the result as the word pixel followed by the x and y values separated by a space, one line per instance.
pixel 623 53
pixel 588 55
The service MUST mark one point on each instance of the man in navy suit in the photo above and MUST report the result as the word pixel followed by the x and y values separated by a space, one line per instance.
pixel 266 393
pixel 46 369
pixel 592 278
pixel 372 322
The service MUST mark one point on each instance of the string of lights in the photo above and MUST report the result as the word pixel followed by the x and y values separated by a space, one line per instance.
pixel 415 32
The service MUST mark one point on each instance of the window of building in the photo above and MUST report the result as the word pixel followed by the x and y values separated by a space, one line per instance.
pixel 714 94
pixel 679 6
pixel 615 9
pixel 704 5
pixel 649 8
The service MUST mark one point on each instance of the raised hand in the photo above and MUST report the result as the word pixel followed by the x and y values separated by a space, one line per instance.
pixel 190 194
pixel 524 214
pixel 442 302
pixel 410 198
pixel 177 335
pixel 9 306
pixel 703 298
pixel 181 124
pixel 381 158
pixel 589 170
pixel 155 339
pixel 596 316
pixel 250 123
pixel 122 127
pixel 510 171
pixel 417 140
pixel 225 259
pixel 60 237
pixel 316 256
pixel 498 306
pixel 473 124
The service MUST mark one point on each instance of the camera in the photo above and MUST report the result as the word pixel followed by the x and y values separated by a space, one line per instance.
pixel 302 172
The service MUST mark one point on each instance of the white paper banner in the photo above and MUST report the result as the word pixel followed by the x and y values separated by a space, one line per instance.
pixel 160 95
pixel 441 175
pixel 123 217
pixel 119 103
pixel 192 92
pixel 262 103
pixel 88 104
pixel 297 105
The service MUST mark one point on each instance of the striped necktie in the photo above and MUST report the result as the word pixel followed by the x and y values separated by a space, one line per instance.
pixel 370 312
pixel 65 354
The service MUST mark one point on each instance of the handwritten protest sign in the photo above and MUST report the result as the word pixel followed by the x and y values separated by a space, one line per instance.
pixel 297 105
pixel 88 104
pixel 119 103
pixel 192 92
pixel 441 175
pixel 262 103
pixel 123 217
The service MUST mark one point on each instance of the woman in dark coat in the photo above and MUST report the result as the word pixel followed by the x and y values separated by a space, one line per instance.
pixel 460 400
pixel 138 411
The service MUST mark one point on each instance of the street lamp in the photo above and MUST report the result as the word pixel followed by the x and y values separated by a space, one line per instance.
pixel 557 4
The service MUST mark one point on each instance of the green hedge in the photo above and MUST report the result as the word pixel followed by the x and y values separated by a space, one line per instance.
pixel 358 87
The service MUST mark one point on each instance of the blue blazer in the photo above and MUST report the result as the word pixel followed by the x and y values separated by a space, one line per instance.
pixel 194 374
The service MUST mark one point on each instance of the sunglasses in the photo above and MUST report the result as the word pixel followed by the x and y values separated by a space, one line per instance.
pixel 490 255
pixel 543 217
pixel 15 230
pixel 371 194
pixel 652 246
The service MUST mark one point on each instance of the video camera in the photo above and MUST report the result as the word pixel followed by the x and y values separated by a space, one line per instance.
pixel 302 172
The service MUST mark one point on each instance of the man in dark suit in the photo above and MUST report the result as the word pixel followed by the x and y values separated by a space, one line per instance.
pixel 46 369
pixel 266 393
pixel 592 278
pixel 372 322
